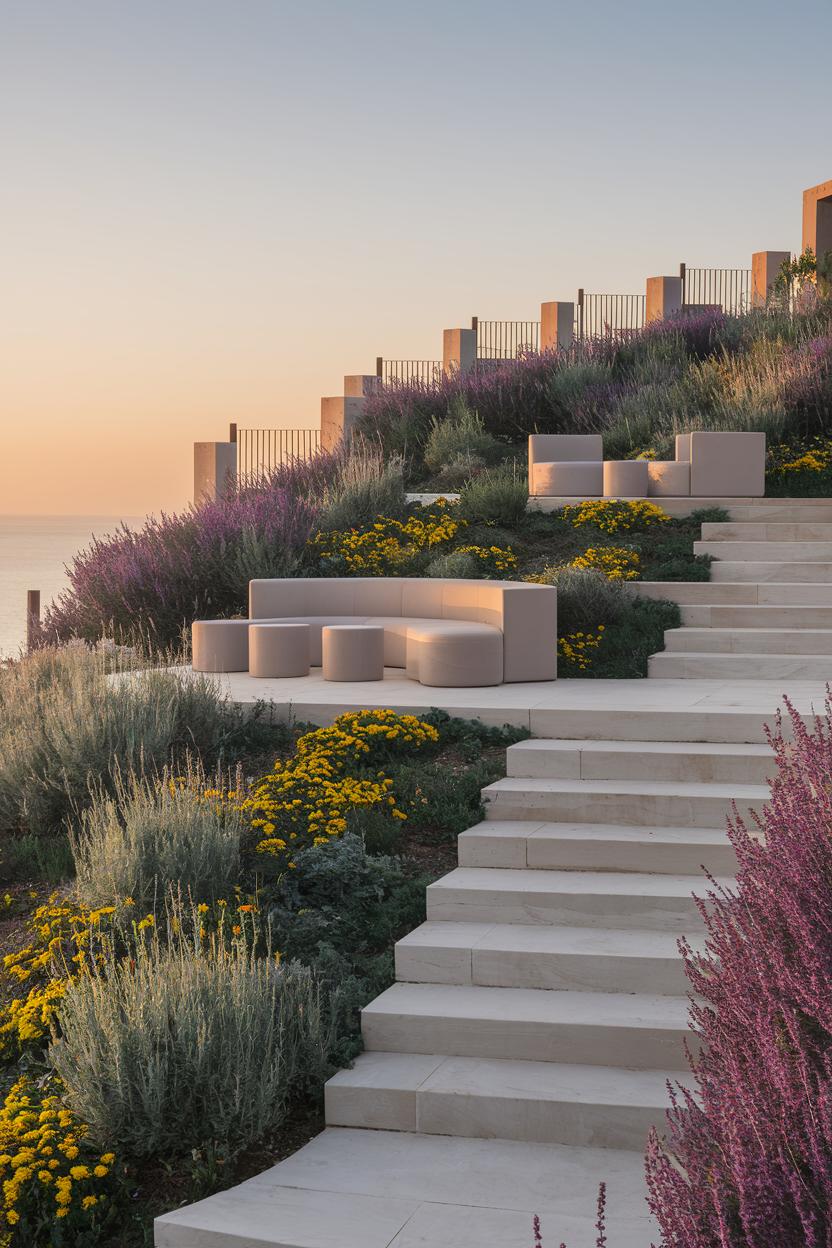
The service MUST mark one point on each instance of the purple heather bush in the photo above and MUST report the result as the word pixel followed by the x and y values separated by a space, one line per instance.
pixel 146 586
pixel 747 1161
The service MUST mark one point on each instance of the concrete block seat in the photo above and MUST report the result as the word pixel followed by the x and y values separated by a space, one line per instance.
pixel 447 633
pixel 563 464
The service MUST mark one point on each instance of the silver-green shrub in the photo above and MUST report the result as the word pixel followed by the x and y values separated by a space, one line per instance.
pixel 457 564
pixel 364 487
pixel 459 437
pixel 189 1042
pixel 152 834
pixel 66 717
pixel 498 496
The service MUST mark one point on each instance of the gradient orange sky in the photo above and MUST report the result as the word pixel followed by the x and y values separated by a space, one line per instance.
pixel 212 211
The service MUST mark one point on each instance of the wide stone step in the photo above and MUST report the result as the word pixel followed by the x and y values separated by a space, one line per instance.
pixel 635 900
pixel 655 803
pixel 519 955
pixel 783 572
pixel 748 640
pixel 634 1030
pixel 573 846
pixel 797 510
pixel 635 760
pixel 758 617
pixel 769 531
pixel 704 666
pixel 721 590
pixel 763 552
pixel 350 1188
pixel 488 1098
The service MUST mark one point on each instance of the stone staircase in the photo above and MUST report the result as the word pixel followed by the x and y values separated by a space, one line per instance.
pixel 767 610
pixel 524 1050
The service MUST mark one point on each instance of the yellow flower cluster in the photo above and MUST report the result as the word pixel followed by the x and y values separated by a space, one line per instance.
pixel 612 515
pixel 307 799
pixel 616 562
pixel 64 937
pixel 495 558
pixel 48 1170
pixel 576 648
pixel 388 545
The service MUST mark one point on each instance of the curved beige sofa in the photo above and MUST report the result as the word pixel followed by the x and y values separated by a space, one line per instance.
pixel 450 633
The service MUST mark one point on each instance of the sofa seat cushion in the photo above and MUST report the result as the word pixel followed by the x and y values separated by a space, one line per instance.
pixel 397 631
pixel 454 654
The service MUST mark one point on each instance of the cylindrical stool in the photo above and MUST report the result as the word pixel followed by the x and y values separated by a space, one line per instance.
pixel 625 478
pixel 352 652
pixel 219 645
pixel 278 650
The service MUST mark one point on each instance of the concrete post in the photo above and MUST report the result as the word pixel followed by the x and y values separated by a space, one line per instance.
pixel 664 298
pixel 361 386
pixel 459 351
pixel 765 269
pixel 215 470
pixel 817 218
pixel 338 418
pixel 557 325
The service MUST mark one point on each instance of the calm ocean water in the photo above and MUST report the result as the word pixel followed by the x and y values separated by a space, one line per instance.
pixel 33 551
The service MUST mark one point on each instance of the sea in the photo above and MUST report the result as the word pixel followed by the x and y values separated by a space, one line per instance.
pixel 34 551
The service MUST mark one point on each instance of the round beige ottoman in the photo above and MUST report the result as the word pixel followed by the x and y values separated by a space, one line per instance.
pixel 278 650
pixel 625 478
pixel 219 645
pixel 668 478
pixel 352 652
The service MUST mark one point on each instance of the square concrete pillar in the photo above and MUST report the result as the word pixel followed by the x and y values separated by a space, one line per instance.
pixel 664 298
pixel 215 470
pixel 817 218
pixel 338 419
pixel 557 325
pixel 459 350
pixel 765 269
pixel 361 386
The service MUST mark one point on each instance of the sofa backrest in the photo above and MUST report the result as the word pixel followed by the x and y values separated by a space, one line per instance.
pixel 525 614
pixel 564 448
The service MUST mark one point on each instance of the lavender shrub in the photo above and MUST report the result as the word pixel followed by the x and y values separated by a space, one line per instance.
pixel 748 1159
pixel 144 587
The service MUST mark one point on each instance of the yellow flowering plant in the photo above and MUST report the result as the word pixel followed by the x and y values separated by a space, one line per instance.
pixel 307 799
pixel 616 562
pixel 64 938
pixel 494 559
pixel 576 649
pixel 53 1180
pixel 388 546
pixel 612 515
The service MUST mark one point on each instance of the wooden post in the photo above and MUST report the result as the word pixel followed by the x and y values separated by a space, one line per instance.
pixel 379 366
pixel 232 431
pixel 32 619
pixel 475 320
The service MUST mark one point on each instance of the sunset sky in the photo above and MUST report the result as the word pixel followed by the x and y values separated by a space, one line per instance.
pixel 212 211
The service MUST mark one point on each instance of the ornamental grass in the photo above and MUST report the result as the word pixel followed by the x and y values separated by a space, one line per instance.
pixel 194 1041
pixel 747 1162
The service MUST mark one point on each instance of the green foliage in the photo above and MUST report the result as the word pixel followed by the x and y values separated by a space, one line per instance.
pixel 638 633
pixel 458 438
pixel 150 835
pixel 29 857
pixel 500 496
pixel 64 718
pixel 189 1044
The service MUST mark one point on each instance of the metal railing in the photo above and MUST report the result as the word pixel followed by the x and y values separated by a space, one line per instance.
pixel 608 316
pixel 729 289
pixel 408 372
pixel 259 451
pixel 505 340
